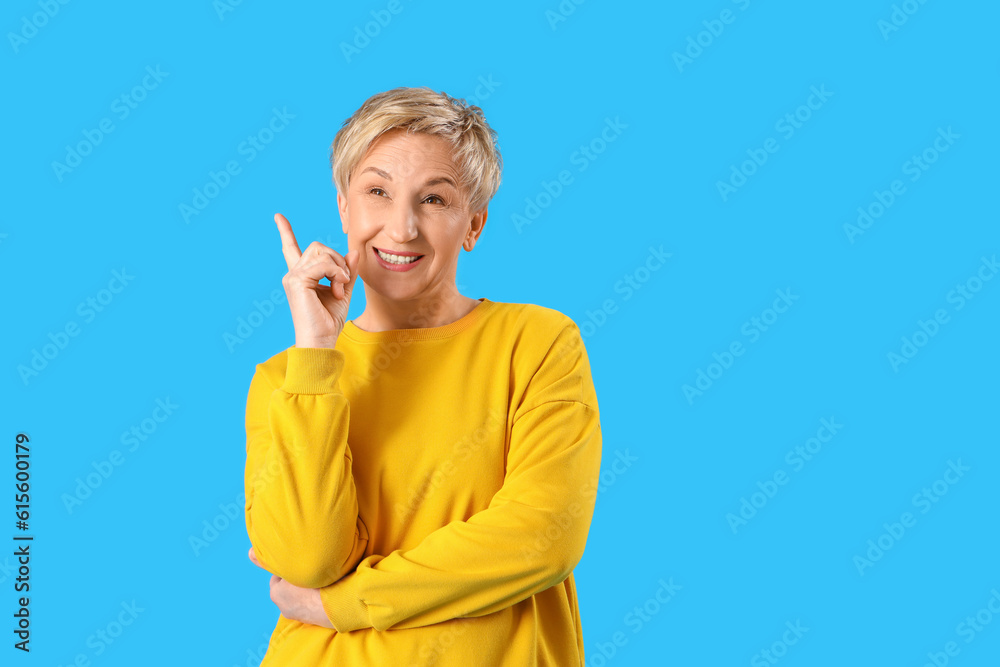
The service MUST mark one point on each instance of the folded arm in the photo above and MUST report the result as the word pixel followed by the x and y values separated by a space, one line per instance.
pixel 528 539
pixel 301 502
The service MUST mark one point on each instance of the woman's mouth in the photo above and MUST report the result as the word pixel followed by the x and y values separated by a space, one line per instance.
pixel 397 262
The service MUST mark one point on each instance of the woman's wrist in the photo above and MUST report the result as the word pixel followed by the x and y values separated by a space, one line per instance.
pixel 317 342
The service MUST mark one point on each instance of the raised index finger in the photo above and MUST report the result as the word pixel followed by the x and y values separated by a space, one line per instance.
pixel 289 246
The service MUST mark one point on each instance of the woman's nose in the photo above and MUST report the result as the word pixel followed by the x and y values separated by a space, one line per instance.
pixel 401 226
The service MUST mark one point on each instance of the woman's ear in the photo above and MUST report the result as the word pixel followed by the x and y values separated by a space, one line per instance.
pixel 342 207
pixel 475 229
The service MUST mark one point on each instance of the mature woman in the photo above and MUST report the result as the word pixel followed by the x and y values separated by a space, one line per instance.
pixel 420 481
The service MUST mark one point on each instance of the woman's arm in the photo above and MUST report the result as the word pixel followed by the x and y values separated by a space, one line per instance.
pixel 301 502
pixel 530 537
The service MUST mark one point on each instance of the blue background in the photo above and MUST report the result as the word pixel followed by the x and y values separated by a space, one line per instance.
pixel 552 82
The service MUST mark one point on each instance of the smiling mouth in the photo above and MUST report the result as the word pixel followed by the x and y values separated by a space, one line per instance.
pixel 396 259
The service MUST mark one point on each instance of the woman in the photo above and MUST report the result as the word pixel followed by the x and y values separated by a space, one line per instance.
pixel 420 481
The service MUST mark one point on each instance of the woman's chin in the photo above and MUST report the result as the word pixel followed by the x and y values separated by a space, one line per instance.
pixel 392 290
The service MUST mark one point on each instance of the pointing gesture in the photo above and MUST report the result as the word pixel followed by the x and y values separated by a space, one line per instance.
pixel 318 311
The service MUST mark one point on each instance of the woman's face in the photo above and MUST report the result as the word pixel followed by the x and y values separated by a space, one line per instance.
pixel 405 197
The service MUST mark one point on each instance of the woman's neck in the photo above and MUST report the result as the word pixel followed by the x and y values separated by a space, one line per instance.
pixel 436 311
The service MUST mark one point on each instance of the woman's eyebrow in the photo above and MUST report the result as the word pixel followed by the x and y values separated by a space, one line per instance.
pixel 441 179
pixel 433 181
pixel 378 171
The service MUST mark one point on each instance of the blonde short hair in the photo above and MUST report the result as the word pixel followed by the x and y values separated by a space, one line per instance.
pixel 473 141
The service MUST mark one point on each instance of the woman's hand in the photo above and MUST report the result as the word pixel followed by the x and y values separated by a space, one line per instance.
pixel 296 604
pixel 318 311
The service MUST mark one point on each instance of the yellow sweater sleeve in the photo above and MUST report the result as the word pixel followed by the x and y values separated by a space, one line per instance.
pixel 301 502
pixel 528 539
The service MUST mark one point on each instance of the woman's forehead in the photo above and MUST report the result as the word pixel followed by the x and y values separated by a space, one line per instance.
pixel 403 155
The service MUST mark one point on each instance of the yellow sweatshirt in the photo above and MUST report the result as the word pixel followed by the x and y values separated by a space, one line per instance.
pixel 436 484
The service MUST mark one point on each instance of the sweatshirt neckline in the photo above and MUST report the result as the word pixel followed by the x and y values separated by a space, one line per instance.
pixel 358 335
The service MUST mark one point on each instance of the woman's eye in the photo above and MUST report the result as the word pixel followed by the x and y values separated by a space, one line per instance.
pixel 379 192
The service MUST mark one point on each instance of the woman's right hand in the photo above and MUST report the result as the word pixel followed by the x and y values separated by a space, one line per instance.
pixel 318 311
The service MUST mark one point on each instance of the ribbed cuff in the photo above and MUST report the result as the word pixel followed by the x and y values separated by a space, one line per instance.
pixel 344 608
pixel 312 370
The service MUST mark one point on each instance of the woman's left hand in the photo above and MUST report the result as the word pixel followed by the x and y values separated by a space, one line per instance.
pixel 297 604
